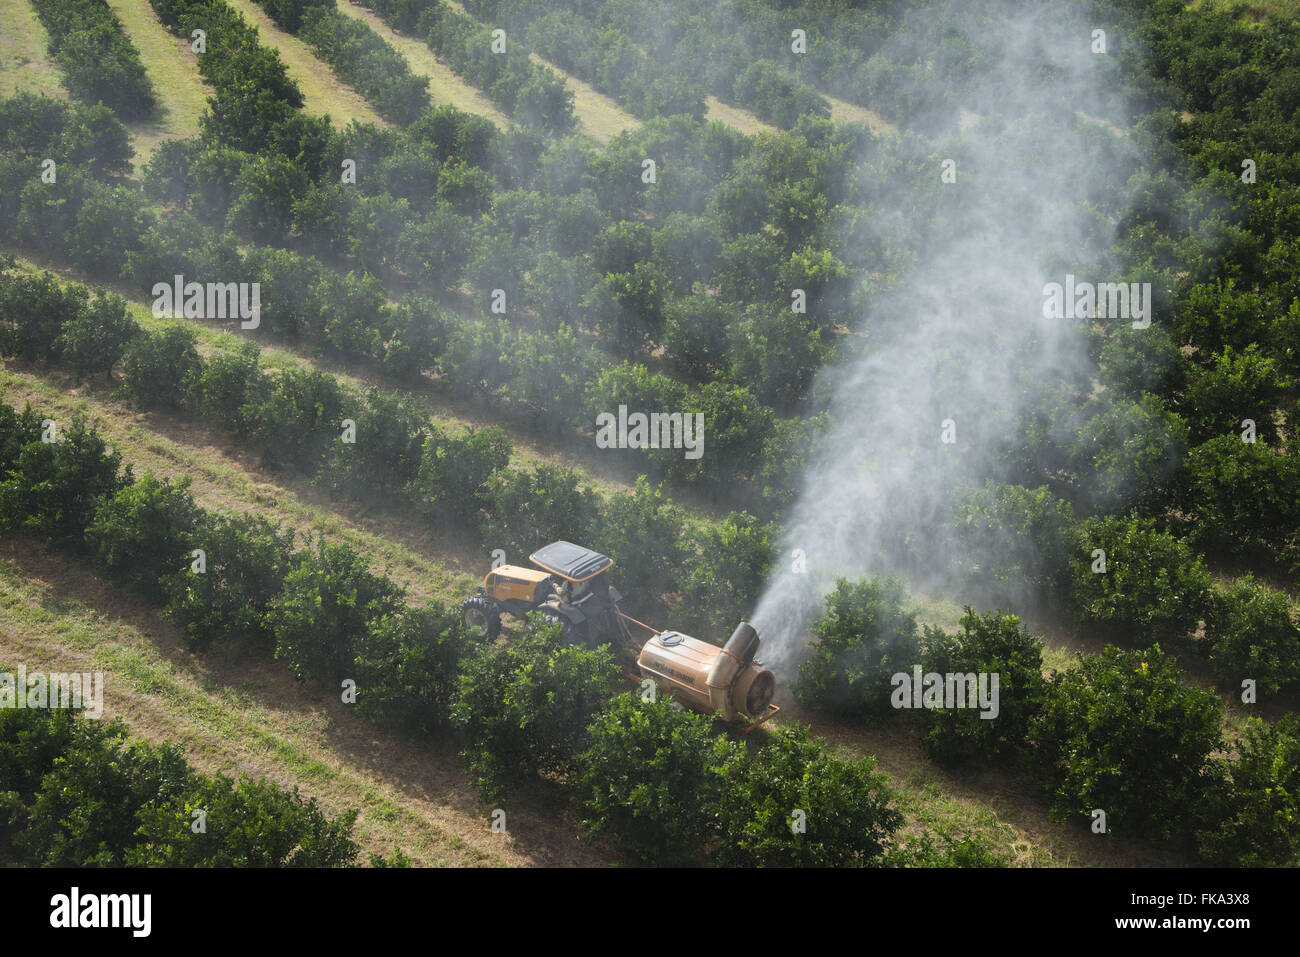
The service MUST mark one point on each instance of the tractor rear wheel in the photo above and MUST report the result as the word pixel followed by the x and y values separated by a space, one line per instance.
pixel 568 634
pixel 482 617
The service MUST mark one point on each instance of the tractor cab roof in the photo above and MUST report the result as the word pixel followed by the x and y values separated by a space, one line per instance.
pixel 571 562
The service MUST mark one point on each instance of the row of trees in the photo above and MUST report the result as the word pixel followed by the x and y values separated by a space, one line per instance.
pixel 1117 732
pixel 1225 364
pixel 530 93
pixel 704 43
pixel 96 59
pixel 914 63
pixel 357 54
pixel 80 793
pixel 1178 446
pixel 909 62
pixel 840 42
pixel 605 58
pixel 255 103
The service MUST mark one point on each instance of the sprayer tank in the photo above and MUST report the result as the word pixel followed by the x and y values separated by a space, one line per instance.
pixel 723 681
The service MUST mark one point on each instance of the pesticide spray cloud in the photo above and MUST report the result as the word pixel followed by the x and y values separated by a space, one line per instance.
pixel 929 396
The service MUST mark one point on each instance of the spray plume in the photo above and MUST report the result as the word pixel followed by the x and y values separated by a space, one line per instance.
pixel 957 346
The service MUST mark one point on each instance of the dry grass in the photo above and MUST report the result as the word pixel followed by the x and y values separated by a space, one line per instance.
pixel 173 70
pixel 735 117
pixel 600 117
pixel 842 111
pixel 1105 124
pixel 24 59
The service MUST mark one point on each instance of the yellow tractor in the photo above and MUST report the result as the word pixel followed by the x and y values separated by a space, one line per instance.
pixel 571 587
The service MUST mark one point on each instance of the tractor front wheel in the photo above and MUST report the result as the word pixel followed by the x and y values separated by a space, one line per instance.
pixel 482 617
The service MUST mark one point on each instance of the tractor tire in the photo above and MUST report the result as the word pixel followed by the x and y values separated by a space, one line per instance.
pixel 568 634
pixel 482 617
